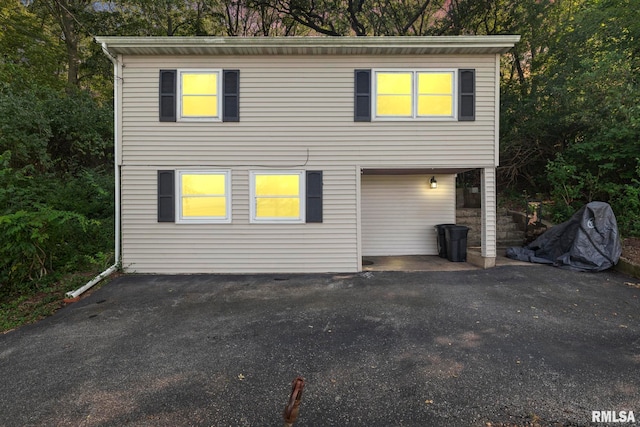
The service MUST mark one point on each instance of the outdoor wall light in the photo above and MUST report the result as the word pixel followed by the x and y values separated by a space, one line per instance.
pixel 433 183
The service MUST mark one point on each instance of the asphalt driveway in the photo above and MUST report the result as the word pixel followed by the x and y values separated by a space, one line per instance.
pixel 513 345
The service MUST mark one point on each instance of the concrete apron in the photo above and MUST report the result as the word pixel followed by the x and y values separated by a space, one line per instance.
pixel 429 263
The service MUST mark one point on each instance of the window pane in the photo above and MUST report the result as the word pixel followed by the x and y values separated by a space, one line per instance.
pixel 203 196
pixel 200 84
pixel 203 184
pixel 204 207
pixel 435 83
pixel 393 83
pixel 286 207
pixel 390 105
pixel 435 105
pixel 200 106
pixel 277 185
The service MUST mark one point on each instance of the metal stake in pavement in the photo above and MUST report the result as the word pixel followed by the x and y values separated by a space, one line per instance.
pixel 291 410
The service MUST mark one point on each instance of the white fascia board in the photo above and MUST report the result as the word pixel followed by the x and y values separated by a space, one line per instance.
pixel 410 45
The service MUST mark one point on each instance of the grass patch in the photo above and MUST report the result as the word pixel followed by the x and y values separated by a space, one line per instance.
pixel 33 304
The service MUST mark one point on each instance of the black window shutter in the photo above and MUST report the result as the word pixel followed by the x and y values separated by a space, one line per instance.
pixel 231 95
pixel 314 196
pixel 467 95
pixel 167 95
pixel 362 102
pixel 166 195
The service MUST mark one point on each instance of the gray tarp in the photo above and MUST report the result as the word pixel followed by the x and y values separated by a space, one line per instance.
pixel 588 241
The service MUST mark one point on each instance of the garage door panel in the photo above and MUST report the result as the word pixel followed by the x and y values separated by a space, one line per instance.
pixel 399 213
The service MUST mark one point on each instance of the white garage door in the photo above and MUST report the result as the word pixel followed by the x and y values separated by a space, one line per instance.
pixel 399 212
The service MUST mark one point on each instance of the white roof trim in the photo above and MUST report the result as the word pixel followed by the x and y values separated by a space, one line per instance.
pixel 409 45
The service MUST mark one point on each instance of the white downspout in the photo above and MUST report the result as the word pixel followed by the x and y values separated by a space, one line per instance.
pixel 117 73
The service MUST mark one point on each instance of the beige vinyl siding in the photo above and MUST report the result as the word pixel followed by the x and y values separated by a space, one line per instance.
pixel 399 213
pixel 296 112
pixel 239 247
pixel 489 214
pixel 289 105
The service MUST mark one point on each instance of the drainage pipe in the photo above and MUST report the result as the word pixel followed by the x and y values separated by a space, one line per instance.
pixel 90 284
pixel 117 73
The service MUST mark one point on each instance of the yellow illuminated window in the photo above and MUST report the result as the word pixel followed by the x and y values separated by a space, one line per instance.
pixel 435 94
pixel 277 197
pixel 199 94
pixel 394 94
pixel 203 196
pixel 281 207
pixel 412 94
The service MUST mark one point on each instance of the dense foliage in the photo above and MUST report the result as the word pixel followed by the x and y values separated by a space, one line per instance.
pixel 56 187
pixel 570 101
pixel 570 125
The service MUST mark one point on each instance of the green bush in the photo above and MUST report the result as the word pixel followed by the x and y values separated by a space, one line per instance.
pixel 52 226
pixel 37 242
pixel 56 186
pixel 573 185
pixel 625 201
pixel 53 131
pixel 24 130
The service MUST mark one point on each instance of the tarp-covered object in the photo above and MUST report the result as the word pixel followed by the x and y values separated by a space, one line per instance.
pixel 588 241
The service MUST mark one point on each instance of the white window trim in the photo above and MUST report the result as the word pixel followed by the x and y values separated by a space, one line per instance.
pixel 414 95
pixel 218 118
pixel 203 220
pixel 301 195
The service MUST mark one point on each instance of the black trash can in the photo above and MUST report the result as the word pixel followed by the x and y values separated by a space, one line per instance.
pixel 456 236
pixel 442 240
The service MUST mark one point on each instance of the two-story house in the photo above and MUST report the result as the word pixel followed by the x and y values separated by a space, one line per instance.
pixel 298 154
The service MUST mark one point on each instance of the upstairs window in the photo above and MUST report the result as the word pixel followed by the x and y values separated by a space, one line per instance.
pixel 394 94
pixel 418 94
pixel 414 94
pixel 435 94
pixel 199 94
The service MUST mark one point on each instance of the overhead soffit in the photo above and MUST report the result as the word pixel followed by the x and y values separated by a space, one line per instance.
pixel 460 45
pixel 414 171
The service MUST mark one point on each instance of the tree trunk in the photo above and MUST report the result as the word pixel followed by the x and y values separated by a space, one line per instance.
pixel 60 9
pixel 73 57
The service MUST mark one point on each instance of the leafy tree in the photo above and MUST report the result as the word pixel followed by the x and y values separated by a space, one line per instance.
pixel 253 18
pixel 49 131
pixel 56 193
pixel 24 131
pixel 359 17
pixel 592 76
pixel 61 15
pixel 28 49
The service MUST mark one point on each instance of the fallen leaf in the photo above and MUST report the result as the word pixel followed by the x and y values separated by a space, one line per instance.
pixel 241 377
pixel 428 402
